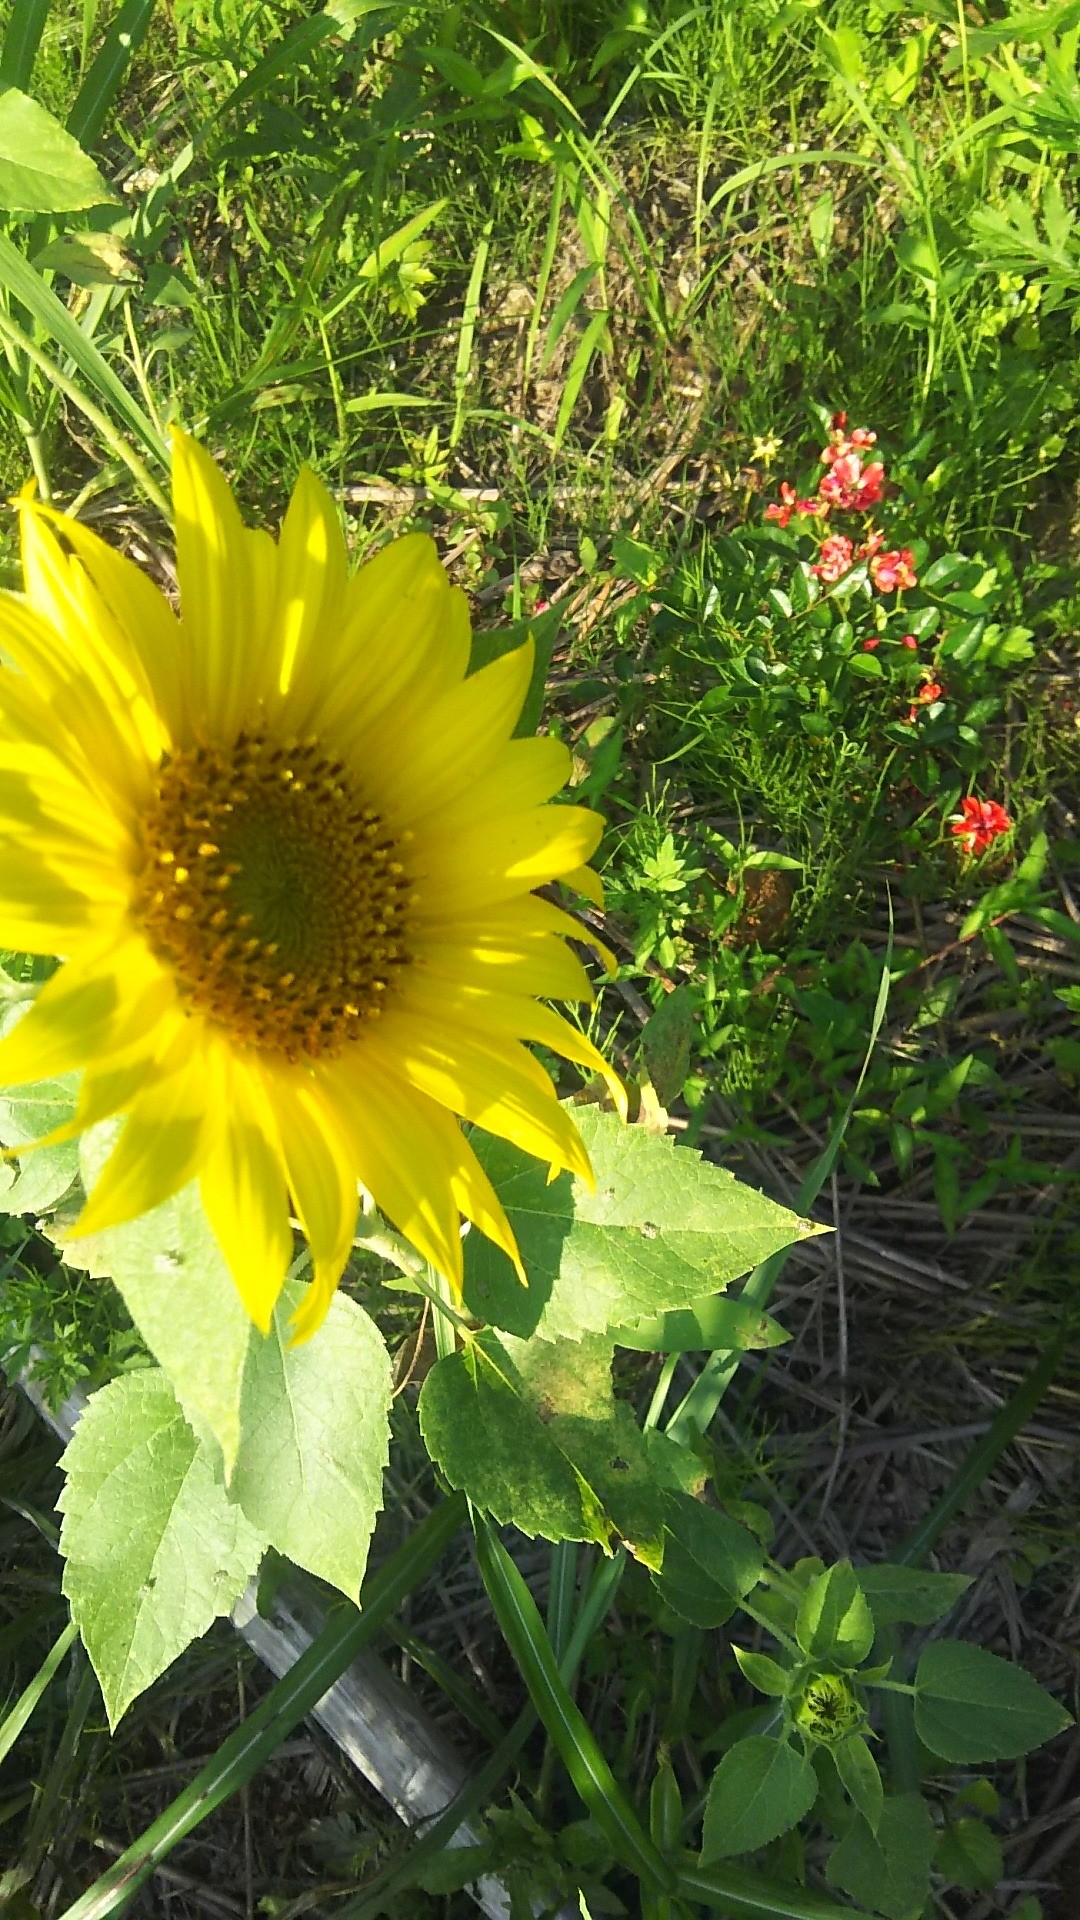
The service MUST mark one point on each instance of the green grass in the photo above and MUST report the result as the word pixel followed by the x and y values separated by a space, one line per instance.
pixel 629 317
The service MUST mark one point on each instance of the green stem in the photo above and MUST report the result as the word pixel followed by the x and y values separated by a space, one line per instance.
pixel 240 1756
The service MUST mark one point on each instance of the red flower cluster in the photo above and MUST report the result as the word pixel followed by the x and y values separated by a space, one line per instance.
pixel 893 570
pixel 836 558
pixel 788 504
pixel 928 693
pixel 979 823
pixel 851 484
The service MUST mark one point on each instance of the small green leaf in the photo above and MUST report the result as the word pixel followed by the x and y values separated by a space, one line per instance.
pixel 760 1789
pixel 910 1594
pixel 315 1432
pixel 662 1229
pixel 154 1549
pixel 858 1771
pixel 834 1620
pixel 972 1706
pixel 42 169
pixel 710 1562
pixel 889 1871
pixel 666 1039
pixel 970 1855
pixel 764 1673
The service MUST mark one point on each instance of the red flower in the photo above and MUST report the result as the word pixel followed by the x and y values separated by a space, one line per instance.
pixel 839 421
pixel 910 642
pixel 836 557
pixel 790 504
pixel 870 646
pixel 872 544
pixel 979 823
pixel 892 571
pixel 870 488
pixel 927 694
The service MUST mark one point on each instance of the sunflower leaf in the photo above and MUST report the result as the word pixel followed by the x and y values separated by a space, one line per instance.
pixel 178 1291
pixel 42 169
pixel 315 1433
pixel 531 1431
pixel 663 1228
pixel 154 1549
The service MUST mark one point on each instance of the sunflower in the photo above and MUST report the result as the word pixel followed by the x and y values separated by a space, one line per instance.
pixel 289 850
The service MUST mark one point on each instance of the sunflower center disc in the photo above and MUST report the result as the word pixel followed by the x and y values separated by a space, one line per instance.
pixel 274 893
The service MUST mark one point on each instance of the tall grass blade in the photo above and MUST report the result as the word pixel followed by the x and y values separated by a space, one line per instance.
pixel 14 1722
pixel 467 334
pixel 579 366
pixel 21 279
pixel 21 42
pixel 241 1755
pixel 738 1892
pixel 523 1630
pixel 112 60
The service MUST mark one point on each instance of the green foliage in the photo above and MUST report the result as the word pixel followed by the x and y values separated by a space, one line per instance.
pixel 661 1228
pixel 888 1871
pixel 760 1790
pixel 971 1706
pixel 154 1549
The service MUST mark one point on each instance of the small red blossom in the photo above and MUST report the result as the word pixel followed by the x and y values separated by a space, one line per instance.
pixel 894 570
pixel 979 823
pixel 871 646
pixel 789 503
pixel 928 693
pixel 909 641
pixel 835 559
pixel 870 487
pixel 873 543
pixel 839 421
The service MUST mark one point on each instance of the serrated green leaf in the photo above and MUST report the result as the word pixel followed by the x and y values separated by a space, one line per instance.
pixel 667 1037
pixel 531 1431
pixel 834 1621
pixel 42 169
pixel 710 1562
pixel 662 1229
pixel 168 1267
pixel 910 1594
pixel 889 1871
pixel 314 1441
pixel 760 1790
pixel 971 1706
pixel 28 1112
pixel 154 1549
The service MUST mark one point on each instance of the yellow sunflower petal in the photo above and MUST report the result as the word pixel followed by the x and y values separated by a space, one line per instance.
pixel 496 1085
pixel 170 1132
pixel 61 590
pixel 498 858
pixel 585 880
pixel 454 742
pixel 404 1155
pixel 81 702
pixel 137 606
pixel 323 1183
pixel 224 585
pixel 523 775
pixel 90 1008
pixel 243 1190
pixel 467 1008
pixel 480 1203
pixel 401 631
pixel 542 965
pixel 311 577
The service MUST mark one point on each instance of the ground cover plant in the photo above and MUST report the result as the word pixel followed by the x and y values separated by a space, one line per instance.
pixel 728 353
